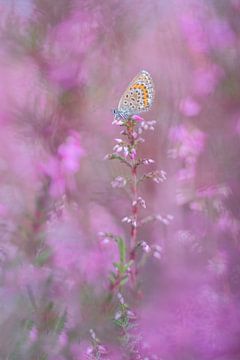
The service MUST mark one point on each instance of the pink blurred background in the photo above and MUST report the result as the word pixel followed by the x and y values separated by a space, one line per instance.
pixel 64 65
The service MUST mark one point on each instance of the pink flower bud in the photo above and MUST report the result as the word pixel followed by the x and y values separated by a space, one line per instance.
pixel 33 335
pixel 137 118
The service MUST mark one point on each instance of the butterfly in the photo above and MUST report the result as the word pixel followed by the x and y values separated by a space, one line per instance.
pixel 137 98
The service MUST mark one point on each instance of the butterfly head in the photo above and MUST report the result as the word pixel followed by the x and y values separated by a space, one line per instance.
pixel 120 114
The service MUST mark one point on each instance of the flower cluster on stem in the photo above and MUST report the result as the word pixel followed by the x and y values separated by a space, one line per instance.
pixel 126 151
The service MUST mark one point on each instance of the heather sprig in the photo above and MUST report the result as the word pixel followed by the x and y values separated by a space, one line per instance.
pixel 131 339
pixel 126 151
pixel 125 320
pixel 96 351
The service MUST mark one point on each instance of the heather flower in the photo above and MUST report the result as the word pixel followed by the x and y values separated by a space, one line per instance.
pixel 137 118
pixel 119 182
pixel 71 152
pixel 52 168
pixel 206 79
pixel 221 34
pixel 63 339
pixel 189 107
pixel 60 169
pixel 189 144
pixel 227 222
pixel 195 31
pixel 218 264
pixel 145 247
pixel 238 126
pixel 33 334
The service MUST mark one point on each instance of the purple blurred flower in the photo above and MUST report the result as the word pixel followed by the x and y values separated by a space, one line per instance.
pixel 221 35
pixel 189 107
pixel 118 182
pixel 71 152
pixel 67 45
pixel 63 339
pixel 195 31
pixel 52 168
pixel 186 173
pixel 67 75
pixel 61 169
pixel 190 142
pixel 218 264
pixel 238 125
pixel 30 275
pixel 205 79
pixel 33 334
pixel 228 223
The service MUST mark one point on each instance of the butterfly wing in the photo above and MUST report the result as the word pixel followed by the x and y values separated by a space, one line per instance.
pixel 139 95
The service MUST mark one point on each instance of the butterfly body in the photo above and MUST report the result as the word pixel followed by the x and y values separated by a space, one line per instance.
pixel 138 97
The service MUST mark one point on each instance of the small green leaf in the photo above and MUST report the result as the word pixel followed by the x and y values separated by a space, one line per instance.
pixel 121 268
pixel 60 322
pixel 122 249
pixel 124 281
pixel 112 277
pixel 118 322
pixel 116 265
pixel 42 258
pixel 118 157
